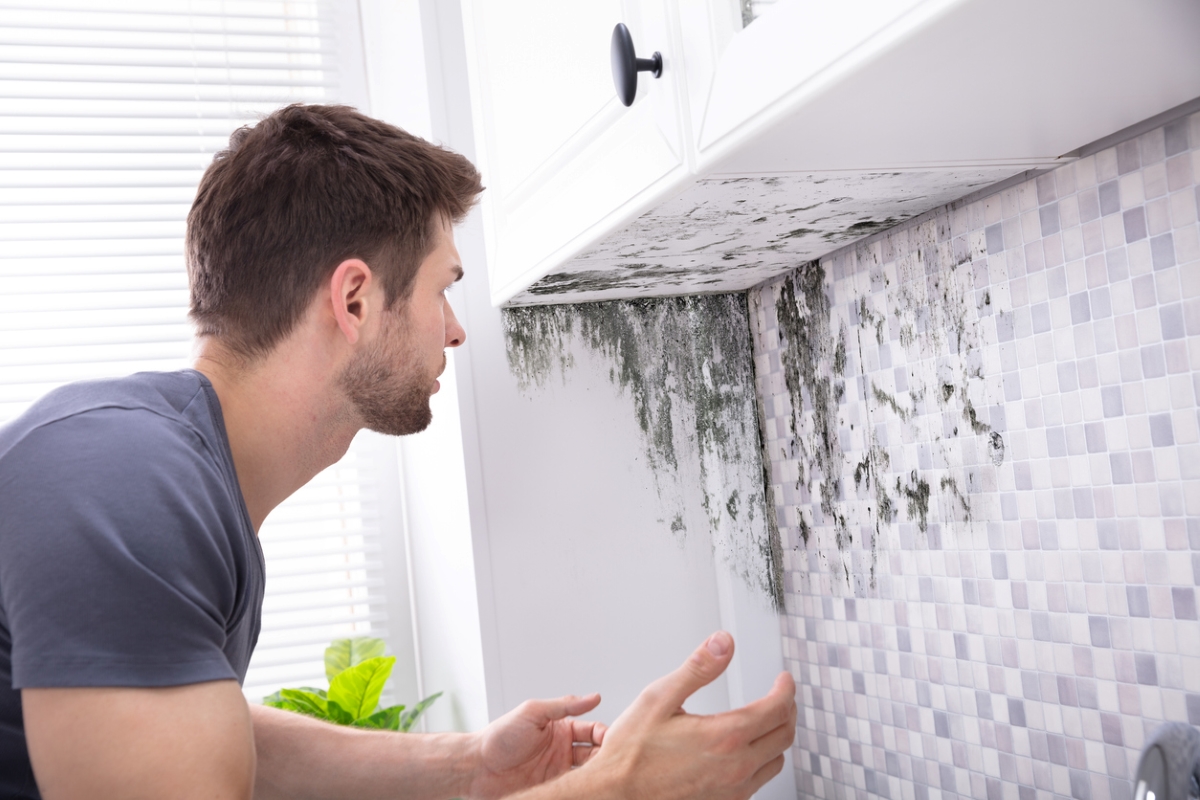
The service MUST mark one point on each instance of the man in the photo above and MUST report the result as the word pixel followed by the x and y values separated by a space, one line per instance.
pixel 319 250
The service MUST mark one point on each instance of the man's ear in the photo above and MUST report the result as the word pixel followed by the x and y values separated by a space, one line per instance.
pixel 349 290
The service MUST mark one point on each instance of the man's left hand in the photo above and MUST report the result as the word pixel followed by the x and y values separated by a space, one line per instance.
pixel 535 742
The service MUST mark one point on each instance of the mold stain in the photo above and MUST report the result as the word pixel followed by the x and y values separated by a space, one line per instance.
pixel 973 419
pixel 996 448
pixel 918 284
pixel 809 352
pixel 686 365
pixel 916 492
pixel 950 486
pixel 886 399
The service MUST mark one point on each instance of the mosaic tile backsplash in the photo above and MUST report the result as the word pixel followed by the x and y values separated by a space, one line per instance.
pixel 984 457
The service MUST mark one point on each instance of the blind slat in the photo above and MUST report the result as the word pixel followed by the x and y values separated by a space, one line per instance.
pixel 269 628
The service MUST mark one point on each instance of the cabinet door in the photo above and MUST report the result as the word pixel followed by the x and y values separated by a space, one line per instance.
pixel 562 159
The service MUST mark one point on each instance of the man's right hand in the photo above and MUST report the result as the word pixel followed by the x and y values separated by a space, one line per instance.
pixel 657 750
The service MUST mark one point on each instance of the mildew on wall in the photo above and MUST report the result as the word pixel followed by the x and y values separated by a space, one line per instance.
pixel 889 355
pixel 685 365
pixel 729 233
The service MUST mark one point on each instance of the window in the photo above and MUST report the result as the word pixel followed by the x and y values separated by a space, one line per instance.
pixel 109 113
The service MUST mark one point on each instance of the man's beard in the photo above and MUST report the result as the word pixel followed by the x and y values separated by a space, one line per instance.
pixel 386 386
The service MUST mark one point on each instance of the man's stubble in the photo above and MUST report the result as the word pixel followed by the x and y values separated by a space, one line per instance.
pixel 388 384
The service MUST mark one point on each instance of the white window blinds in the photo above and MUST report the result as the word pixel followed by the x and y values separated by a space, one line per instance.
pixel 110 110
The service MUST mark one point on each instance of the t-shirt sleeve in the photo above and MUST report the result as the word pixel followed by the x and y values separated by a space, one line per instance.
pixel 115 561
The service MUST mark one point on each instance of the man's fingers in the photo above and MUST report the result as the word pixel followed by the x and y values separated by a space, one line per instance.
pixel 765 714
pixel 765 773
pixel 581 705
pixel 561 707
pixel 773 743
pixel 587 731
pixel 703 666
pixel 580 754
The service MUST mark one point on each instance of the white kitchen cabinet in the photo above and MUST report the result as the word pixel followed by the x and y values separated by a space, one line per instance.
pixel 561 157
pixel 819 122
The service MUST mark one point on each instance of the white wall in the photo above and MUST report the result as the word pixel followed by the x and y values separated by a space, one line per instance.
pixel 436 564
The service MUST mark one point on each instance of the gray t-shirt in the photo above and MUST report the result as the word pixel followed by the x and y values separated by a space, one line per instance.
pixel 127 557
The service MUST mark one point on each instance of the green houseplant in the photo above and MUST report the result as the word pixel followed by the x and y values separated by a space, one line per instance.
pixel 357 670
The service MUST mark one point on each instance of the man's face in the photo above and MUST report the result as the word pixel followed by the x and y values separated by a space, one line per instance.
pixel 391 380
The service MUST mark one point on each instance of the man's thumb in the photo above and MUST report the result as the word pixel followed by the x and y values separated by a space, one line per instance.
pixel 701 668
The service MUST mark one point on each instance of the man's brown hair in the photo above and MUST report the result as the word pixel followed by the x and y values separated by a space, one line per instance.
pixel 295 195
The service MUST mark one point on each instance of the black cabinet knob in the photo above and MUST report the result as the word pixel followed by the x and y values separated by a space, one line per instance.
pixel 626 65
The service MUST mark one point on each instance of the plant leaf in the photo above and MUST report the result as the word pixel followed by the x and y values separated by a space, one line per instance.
pixel 338 714
pixel 386 720
pixel 358 688
pixel 306 702
pixel 345 653
pixel 276 701
pixel 409 718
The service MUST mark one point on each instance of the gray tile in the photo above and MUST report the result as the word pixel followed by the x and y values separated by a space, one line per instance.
pixel 1040 317
pixel 1184 600
pixel 1098 626
pixel 1127 157
pixel 1046 191
pixel 1162 251
pixel 1094 434
pixel 1147 670
pixel 1016 712
pixel 1171 319
pixel 1110 198
pixel 995 239
pixel 1056 442
pixel 1081 785
pixel 1193 708
pixel 1110 397
pixel 1176 137
pixel 1080 308
pixel 1121 467
pixel 1048 216
pixel 1161 432
pixel 1154 364
pixel 1135 224
pixel 1139 604
pixel 1110 726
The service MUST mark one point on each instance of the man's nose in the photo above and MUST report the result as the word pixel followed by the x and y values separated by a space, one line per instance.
pixel 455 335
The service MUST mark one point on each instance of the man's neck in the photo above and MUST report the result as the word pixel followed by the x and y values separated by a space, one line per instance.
pixel 285 420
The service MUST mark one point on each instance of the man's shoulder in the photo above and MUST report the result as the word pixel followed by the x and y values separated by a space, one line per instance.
pixel 128 458
pixel 147 407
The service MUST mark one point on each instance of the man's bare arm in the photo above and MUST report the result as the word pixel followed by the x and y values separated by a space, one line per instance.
pixel 301 758
pixel 654 750
pixel 180 742
pixel 202 741
pixel 304 759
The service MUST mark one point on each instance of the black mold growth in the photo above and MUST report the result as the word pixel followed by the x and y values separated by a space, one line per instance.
pixel 917 493
pixel 680 359
pixel 809 354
